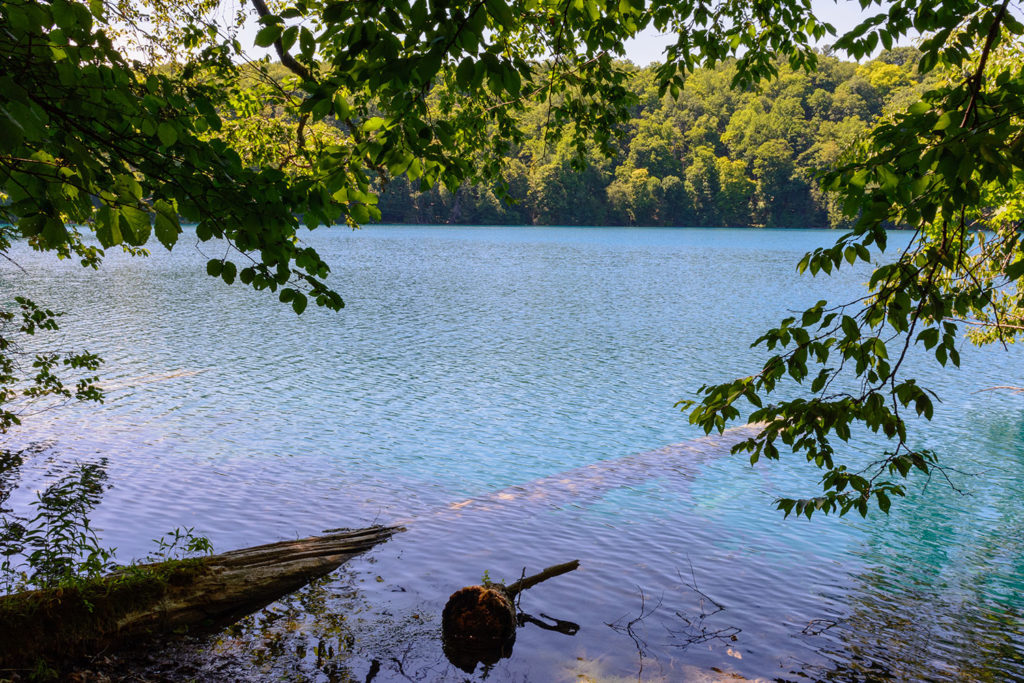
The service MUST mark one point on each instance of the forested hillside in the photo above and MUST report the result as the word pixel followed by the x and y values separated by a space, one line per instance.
pixel 713 156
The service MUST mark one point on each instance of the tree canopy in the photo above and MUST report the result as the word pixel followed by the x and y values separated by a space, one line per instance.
pixel 713 156
pixel 97 139
pixel 949 167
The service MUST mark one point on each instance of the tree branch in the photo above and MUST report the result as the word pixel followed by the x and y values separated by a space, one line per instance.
pixel 286 59
pixel 976 79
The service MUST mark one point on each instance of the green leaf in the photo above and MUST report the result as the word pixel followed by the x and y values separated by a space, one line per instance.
pixel 228 272
pixel 1015 270
pixel 360 213
pixel 54 231
pixel 63 14
pixel 512 81
pixel 288 37
pixel 138 226
pixel 166 224
pixel 371 124
pixel 166 230
pixel 167 133
pixel 929 337
pixel 500 11
pixel 464 73
pixel 341 106
pixel 266 36
pixel 299 302
pixel 945 121
pixel 850 328
pixel 307 43
pixel 108 228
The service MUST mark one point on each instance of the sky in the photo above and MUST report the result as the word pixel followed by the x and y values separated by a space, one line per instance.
pixel 843 14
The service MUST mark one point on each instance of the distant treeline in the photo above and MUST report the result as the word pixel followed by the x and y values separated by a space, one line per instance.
pixel 713 156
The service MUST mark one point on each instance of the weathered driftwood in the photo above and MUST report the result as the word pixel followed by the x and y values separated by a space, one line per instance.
pixel 478 623
pixel 148 599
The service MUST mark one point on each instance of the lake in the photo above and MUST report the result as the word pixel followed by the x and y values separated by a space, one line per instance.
pixel 535 370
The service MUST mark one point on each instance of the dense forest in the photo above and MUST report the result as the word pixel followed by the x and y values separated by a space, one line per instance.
pixel 711 156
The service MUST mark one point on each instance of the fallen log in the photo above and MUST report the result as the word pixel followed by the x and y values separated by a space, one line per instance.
pixel 60 624
pixel 478 623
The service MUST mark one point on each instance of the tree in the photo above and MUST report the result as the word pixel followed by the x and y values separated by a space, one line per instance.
pixel 949 167
pixel 92 141
pixel 31 373
pixel 436 92
pixel 736 190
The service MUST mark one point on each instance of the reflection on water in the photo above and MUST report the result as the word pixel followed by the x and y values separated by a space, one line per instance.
pixel 49 539
pixel 896 630
pixel 650 602
pixel 943 587
pixel 533 374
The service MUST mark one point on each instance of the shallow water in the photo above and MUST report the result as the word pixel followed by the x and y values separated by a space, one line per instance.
pixel 542 363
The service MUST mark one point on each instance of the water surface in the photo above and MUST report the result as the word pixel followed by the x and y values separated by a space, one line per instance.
pixel 470 361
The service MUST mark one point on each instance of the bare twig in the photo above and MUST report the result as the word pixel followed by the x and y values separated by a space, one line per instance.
pixel 627 628
pixel 695 630
pixel 557 570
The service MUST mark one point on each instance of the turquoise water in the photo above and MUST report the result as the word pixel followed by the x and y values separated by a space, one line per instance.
pixel 470 361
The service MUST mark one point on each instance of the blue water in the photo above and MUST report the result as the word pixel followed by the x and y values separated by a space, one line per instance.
pixel 471 360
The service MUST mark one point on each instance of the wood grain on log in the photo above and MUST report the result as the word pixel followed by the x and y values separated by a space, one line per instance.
pixel 147 599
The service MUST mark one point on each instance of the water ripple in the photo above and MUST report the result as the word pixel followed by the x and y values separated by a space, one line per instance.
pixel 524 370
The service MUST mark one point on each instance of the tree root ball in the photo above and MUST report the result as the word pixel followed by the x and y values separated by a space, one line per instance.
pixel 479 622
pixel 477 617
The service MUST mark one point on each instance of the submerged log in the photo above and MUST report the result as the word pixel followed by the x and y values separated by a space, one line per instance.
pixel 591 482
pixel 478 623
pixel 142 600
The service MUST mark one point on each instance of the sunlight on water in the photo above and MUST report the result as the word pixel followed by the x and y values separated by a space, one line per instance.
pixel 508 395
